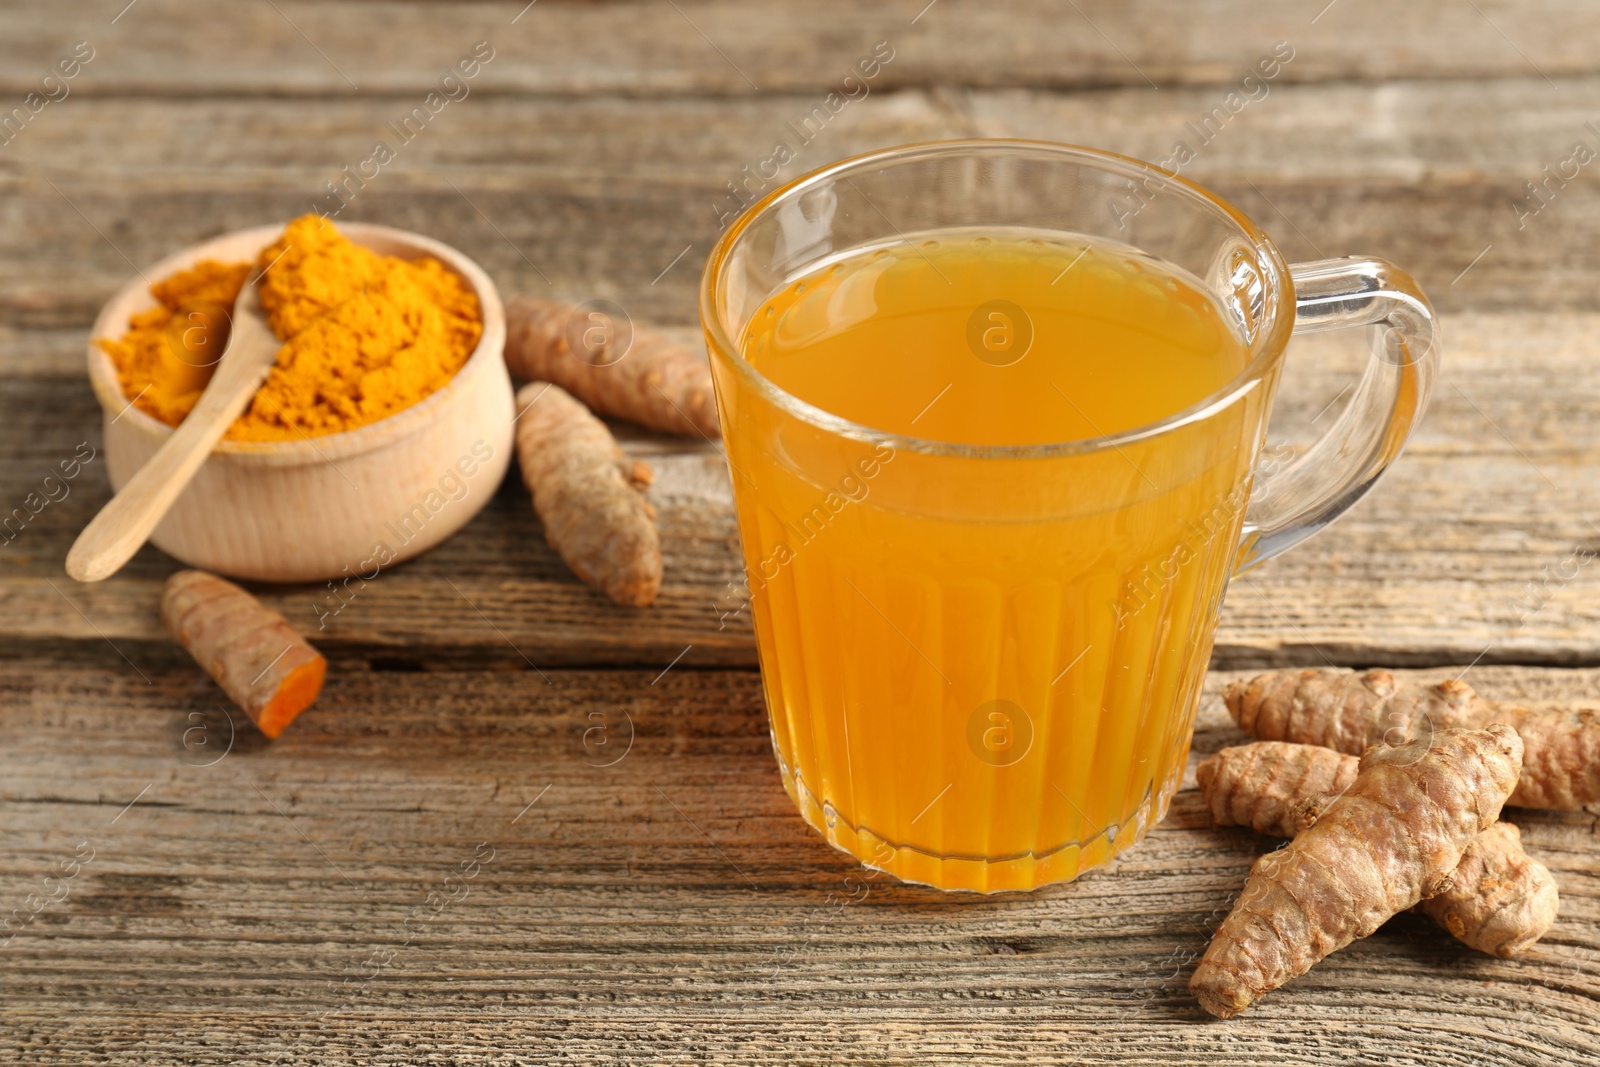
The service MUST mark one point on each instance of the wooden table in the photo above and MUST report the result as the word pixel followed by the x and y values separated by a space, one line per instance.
pixel 240 902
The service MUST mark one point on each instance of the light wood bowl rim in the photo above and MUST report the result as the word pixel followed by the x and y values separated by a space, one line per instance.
pixel 112 323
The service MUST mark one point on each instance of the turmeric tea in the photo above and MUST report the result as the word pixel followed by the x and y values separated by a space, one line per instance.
pixel 365 335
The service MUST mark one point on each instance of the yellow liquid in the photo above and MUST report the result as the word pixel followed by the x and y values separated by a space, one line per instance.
pixel 982 672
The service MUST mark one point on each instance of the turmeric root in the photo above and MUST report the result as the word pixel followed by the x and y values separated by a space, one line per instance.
pixel 257 658
pixel 1264 785
pixel 1346 711
pixel 588 495
pixel 646 379
pixel 1500 901
pixel 1392 840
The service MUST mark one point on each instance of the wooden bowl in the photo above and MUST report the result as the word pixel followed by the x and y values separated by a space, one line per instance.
pixel 336 505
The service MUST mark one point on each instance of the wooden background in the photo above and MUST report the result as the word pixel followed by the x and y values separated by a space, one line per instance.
pixel 248 903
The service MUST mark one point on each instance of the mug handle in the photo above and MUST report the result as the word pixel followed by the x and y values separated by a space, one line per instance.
pixel 1289 504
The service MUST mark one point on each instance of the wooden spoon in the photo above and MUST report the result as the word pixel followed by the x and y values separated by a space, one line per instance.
pixel 124 524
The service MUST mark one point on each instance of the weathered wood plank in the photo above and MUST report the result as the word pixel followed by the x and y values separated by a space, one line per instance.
pixel 59 270
pixel 1447 131
pixel 183 47
pixel 600 196
pixel 239 900
pixel 252 904
pixel 591 196
pixel 1479 542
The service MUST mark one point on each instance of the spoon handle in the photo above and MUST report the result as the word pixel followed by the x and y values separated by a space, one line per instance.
pixel 127 521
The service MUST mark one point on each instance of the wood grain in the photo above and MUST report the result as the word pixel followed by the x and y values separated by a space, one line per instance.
pixel 1425 173
pixel 602 196
pixel 669 907
pixel 186 47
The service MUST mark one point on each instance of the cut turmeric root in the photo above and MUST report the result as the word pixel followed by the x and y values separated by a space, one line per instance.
pixel 647 379
pixel 1347 712
pixel 588 495
pixel 1500 900
pixel 258 659
pixel 1392 840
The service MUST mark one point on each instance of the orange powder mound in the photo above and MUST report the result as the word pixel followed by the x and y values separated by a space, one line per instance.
pixel 165 358
pixel 365 335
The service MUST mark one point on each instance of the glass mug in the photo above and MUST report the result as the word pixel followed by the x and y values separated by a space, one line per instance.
pixel 982 663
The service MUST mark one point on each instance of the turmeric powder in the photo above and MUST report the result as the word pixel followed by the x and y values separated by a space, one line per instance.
pixel 365 335
pixel 1394 839
pixel 167 356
